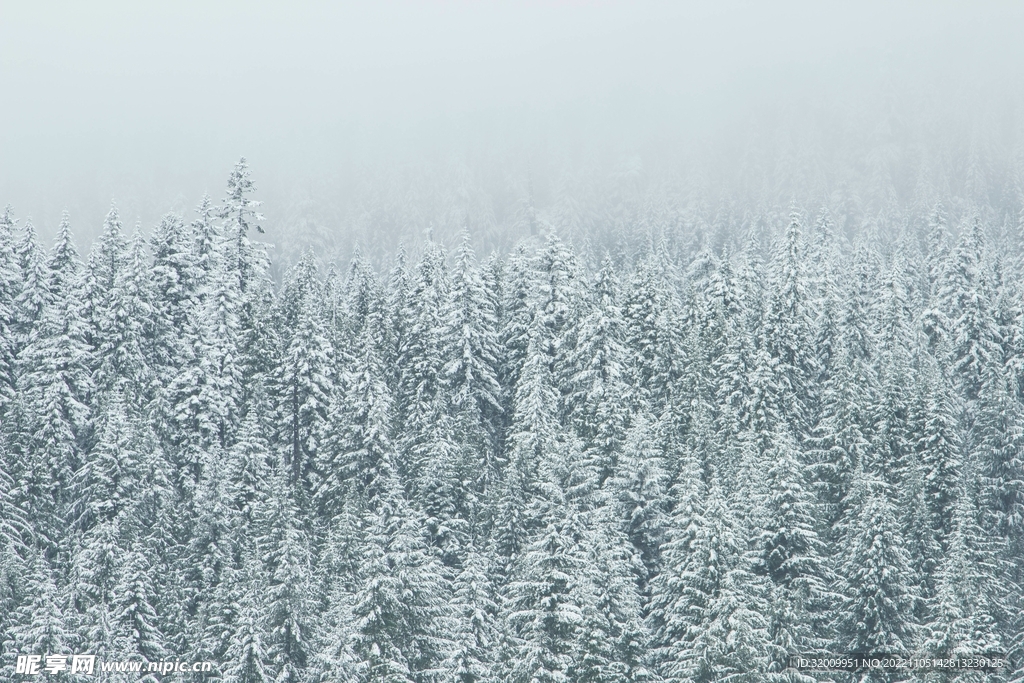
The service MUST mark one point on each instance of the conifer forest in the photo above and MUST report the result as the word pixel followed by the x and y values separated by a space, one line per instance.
pixel 684 453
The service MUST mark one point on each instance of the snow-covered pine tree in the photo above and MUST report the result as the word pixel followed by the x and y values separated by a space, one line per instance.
pixel 304 377
pixel 598 399
pixel 532 439
pixel 788 327
pixel 841 440
pixel 238 213
pixel 175 277
pixel 106 261
pixel 895 346
pixel 421 391
pixel 205 235
pixel 648 336
pixel 102 487
pixel 210 571
pixel 358 456
pixel 969 601
pixel 133 609
pixel 559 289
pixel 399 630
pixel 247 660
pixel 248 472
pixel 517 312
pixel 10 284
pixel 611 642
pixel 285 550
pixel 15 541
pixel 471 368
pixel 95 568
pixel 876 613
pixel 125 329
pixel 205 395
pixel 32 294
pixel 475 633
pixel 966 300
pixel 54 389
pixel 43 624
pixel 999 455
pixel 936 415
pixel 541 603
pixel 447 488
pixel 792 555
pixel 707 606
pixel 638 492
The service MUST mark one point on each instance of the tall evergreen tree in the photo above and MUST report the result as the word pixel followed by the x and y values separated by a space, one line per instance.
pixel 10 284
pixel 54 391
pixel 471 341
pixel 287 558
pixel 305 379
pixel 399 614
pixel 238 213
pixel 475 636
pixel 359 455
pixel 877 611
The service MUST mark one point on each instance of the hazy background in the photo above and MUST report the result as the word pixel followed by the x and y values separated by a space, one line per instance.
pixel 350 114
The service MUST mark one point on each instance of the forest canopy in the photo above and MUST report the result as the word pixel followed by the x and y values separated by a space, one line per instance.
pixel 615 451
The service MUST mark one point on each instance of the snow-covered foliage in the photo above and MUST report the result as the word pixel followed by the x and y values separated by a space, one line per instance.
pixel 683 461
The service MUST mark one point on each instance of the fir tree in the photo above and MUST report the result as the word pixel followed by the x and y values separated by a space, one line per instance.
pixel 787 331
pixel 543 609
pixel 598 386
pixel 247 653
pixel 359 456
pixel 475 634
pixel 471 369
pixel 399 614
pixel 41 623
pixel 287 561
pixel 32 294
pixel 877 611
pixel 10 283
pixel 969 600
pixel 238 213
pixel 136 618
pixel 54 390
pixel 304 382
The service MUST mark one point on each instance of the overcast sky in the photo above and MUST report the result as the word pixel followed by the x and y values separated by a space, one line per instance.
pixel 151 105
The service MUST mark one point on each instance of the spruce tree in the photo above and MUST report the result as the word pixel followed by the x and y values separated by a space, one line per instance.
pixel 544 609
pixel 10 284
pixel 247 658
pixel 970 601
pixel 286 556
pixel 304 382
pixel 238 213
pixel 877 611
pixel 43 623
pixel 54 391
pixel 597 402
pixel 471 369
pixel 475 635
pixel 399 608
pixel 787 327
pixel 133 608
pixel 32 294
pixel 359 456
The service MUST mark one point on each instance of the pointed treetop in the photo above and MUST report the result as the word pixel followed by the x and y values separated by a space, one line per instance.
pixel 64 256
pixel 238 207
pixel 112 223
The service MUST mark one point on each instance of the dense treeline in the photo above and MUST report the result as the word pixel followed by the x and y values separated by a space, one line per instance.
pixel 672 464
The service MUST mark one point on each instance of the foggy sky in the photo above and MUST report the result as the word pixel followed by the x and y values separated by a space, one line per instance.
pixel 151 106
